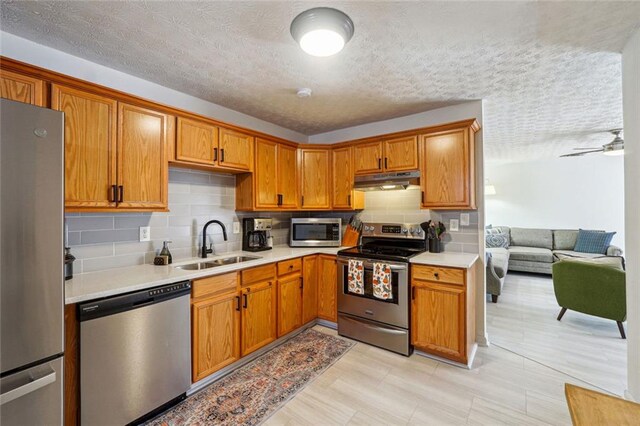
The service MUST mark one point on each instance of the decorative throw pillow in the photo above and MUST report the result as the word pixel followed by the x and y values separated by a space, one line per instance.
pixel 493 240
pixel 616 262
pixel 593 241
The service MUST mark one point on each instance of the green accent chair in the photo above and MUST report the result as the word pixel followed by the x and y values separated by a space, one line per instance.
pixel 592 289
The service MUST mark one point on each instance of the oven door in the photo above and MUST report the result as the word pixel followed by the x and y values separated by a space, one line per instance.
pixel 315 233
pixel 394 311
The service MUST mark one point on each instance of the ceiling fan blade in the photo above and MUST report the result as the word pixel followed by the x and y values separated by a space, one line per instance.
pixel 578 154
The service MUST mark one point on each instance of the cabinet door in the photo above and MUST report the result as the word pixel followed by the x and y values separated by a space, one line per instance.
pixel 258 316
pixel 367 158
pixel 142 158
pixel 196 141
pixel 401 154
pixel 266 174
pixel 315 169
pixel 289 304
pixel 309 288
pixel 215 334
pixel 327 288
pixel 438 319
pixel 89 147
pixel 447 170
pixel 21 88
pixel 342 178
pixel 287 177
pixel 236 150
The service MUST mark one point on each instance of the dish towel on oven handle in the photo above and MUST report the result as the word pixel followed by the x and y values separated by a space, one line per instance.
pixel 356 276
pixel 382 281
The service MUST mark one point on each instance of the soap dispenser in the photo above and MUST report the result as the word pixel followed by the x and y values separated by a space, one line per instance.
pixel 165 252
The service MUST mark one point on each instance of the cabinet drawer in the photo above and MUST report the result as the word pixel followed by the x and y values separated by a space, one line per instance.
pixel 289 266
pixel 216 285
pixel 437 274
pixel 261 273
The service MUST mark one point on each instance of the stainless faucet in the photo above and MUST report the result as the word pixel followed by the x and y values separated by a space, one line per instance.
pixel 204 250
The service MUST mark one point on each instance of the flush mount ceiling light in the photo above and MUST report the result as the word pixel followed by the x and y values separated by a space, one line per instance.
pixel 322 31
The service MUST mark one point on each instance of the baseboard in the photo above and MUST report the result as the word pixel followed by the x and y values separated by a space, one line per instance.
pixel 448 361
pixel 201 384
pixel 483 340
pixel 629 397
pixel 328 324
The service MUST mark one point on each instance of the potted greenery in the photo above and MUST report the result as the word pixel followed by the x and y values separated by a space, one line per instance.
pixel 435 231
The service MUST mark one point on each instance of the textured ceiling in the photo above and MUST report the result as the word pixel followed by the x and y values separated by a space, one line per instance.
pixel 550 72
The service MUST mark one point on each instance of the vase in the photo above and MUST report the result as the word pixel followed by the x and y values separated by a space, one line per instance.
pixel 434 245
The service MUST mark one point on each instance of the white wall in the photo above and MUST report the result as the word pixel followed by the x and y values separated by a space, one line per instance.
pixel 32 53
pixel 561 193
pixel 631 105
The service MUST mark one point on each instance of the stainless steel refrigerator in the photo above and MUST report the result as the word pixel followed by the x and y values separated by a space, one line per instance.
pixel 31 264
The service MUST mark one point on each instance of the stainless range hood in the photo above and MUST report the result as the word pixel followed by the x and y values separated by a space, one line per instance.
pixel 387 181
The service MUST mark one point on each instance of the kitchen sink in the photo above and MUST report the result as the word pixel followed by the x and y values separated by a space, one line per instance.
pixel 216 262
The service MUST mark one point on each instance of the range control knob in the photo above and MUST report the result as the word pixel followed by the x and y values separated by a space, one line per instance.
pixel 412 231
pixel 404 230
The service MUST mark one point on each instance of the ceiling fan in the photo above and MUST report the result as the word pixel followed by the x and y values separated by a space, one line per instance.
pixel 615 147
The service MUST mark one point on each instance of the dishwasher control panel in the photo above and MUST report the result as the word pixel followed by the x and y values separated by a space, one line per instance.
pixel 169 289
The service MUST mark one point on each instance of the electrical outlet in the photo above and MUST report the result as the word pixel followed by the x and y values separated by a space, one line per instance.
pixel 145 233
pixel 454 225
pixel 464 219
pixel 236 227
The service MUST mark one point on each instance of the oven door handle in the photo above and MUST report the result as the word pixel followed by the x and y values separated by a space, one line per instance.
pixel 368 264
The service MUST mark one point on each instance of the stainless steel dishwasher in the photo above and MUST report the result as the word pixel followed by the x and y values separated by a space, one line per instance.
pixel 135 354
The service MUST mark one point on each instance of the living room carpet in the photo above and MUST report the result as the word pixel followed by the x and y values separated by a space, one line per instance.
pixel 252 393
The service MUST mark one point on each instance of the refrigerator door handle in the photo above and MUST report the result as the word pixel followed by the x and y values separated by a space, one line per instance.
pixel 30 387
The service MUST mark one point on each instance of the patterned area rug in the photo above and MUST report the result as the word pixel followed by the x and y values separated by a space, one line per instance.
pixel 252 393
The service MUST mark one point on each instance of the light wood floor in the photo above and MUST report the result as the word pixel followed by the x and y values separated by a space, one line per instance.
pixel 583 346
pixel 370 386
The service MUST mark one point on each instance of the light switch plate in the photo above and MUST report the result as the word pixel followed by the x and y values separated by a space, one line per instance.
pixel 454 225
pixel 464 219
pixel 236 227
pixel 145 233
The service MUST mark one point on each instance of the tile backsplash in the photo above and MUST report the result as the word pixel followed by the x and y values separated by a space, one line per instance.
pixel 105 240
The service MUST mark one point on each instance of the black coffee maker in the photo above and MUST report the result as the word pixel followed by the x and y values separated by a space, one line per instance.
pixel 255 234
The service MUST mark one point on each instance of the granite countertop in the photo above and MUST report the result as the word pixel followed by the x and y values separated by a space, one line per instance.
pixel 111 282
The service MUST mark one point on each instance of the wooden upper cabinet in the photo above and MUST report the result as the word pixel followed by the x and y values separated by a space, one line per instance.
pixel 327 288
pixel 315 170
pixel 447 169
pixel 342 178
pixel 266 174
pixel 287 177
pixel 90 147
pixel 142 157
pixel 235 150
pixel 21 88
pixel 196 141
pixel 367 158
pixel 401 154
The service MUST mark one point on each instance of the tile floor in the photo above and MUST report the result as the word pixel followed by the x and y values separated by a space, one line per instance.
pixel 370 386
pixel 583 346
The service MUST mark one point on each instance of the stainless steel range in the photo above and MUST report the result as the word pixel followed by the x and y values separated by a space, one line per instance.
pixel 373 285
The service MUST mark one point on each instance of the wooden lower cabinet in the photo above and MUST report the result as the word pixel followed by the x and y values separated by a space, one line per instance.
pixel 215 334
pixel 309 288
pixel 289 303
pixel 258 316
pixel 442 314
pixel 327 288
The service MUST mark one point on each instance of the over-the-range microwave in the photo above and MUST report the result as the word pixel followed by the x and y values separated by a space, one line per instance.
pixel 320 232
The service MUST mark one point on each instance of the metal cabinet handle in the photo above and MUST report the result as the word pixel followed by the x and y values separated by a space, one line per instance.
pixel 280 199
pixel 301 283
pixel 413 293
pixel 222 155
pixel 379 163
pixel 437 275
pixel 121 197
pixel 385 163
pixel 28 388
pixel 215 154
pixel 237 303
pixel 349 200
pixel 114 194
pixel 422 200
pixel 245 301
pixel 302 201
